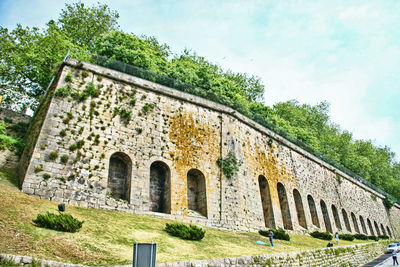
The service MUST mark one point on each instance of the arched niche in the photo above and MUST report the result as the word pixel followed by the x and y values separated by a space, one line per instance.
pixel 383 230
pixel 160 187
pixel 389 232
pixel 299 209
pixel 354 219
pixel 119 176
pixel 371 229
pixel 196 192
pixel 313 210
pixel 378 232
pixel 284 204
pixel 364 228
pixel 336 217
pixel 266 202
pixel 346 220
pixel 325 215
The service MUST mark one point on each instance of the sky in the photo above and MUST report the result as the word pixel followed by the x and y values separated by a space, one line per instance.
pixel 344 52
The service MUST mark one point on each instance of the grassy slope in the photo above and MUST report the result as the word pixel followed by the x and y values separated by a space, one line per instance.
pixel 107 236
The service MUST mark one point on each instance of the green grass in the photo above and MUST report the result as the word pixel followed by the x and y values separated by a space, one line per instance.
pixel 107 237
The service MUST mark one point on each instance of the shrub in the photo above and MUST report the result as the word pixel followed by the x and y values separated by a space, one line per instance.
pixel 278 234
pixel 383 236
pixel 347 237
pixel 361 237
pixel 372 237
pixel 60 222
pixel 183 231
pixel 321 235
pixel 46 176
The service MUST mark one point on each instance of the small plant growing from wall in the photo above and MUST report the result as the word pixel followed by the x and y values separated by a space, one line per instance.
pixel 38 169
pixel 125 114
pixel 68 77
pixel 53 155
pixel 229 165
pixel 46 176
pixel 147 108
pixel 64 159
pixel 183 231
pixel 63 133
pixel 339 178
pixel 64 91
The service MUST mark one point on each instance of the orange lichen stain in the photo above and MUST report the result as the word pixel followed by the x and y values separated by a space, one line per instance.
pixel 263 161
pixel 196 145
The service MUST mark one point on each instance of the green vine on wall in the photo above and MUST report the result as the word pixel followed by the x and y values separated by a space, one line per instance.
pixel 229 165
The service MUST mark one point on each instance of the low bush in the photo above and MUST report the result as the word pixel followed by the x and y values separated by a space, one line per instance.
pixel 183 231
pixel 321 235
pixel 347 237
pixel 60 222
pixel 361 237
pixel 372 237
pixel 383 236
pixel 278 234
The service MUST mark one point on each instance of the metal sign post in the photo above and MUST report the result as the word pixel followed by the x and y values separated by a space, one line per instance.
pixel 144 254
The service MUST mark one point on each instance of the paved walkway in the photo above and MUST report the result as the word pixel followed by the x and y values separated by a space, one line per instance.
pixel 383 260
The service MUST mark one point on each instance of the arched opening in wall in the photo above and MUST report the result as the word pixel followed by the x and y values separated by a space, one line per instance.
pixel 364 228
pixel 196 192
pixel 299 209
pixel 119 176
pixel 336 217
pixel 378 232
pixel 283 201
pixel 354 219
pixel 313 210
pixel 266 202
pixel 383 230
pixel 346 220
pixel 325 215
pixel 160 187
pixel 371 229
pixel 388 231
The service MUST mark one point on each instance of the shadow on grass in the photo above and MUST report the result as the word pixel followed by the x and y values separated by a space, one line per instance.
pixel 11 176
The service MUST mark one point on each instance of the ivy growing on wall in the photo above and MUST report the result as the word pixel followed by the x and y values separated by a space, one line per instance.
pixel 229 165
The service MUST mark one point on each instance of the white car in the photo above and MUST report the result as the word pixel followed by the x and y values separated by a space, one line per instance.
pixel 393 246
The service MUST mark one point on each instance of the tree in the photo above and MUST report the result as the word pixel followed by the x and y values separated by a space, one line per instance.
pixel 143 52
pixel 29 57
pixel 83 25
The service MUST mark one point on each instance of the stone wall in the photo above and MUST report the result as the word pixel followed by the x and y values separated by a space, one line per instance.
pixel 354 255
pixel 176 138
pixel 14 116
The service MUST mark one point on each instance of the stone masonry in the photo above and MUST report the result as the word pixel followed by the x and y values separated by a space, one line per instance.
pixel 140 147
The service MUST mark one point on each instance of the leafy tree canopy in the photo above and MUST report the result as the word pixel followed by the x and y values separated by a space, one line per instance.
pixel 84 24
pixel 29 57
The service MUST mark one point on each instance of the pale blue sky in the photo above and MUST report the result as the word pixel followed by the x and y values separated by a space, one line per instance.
pixel 345 52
